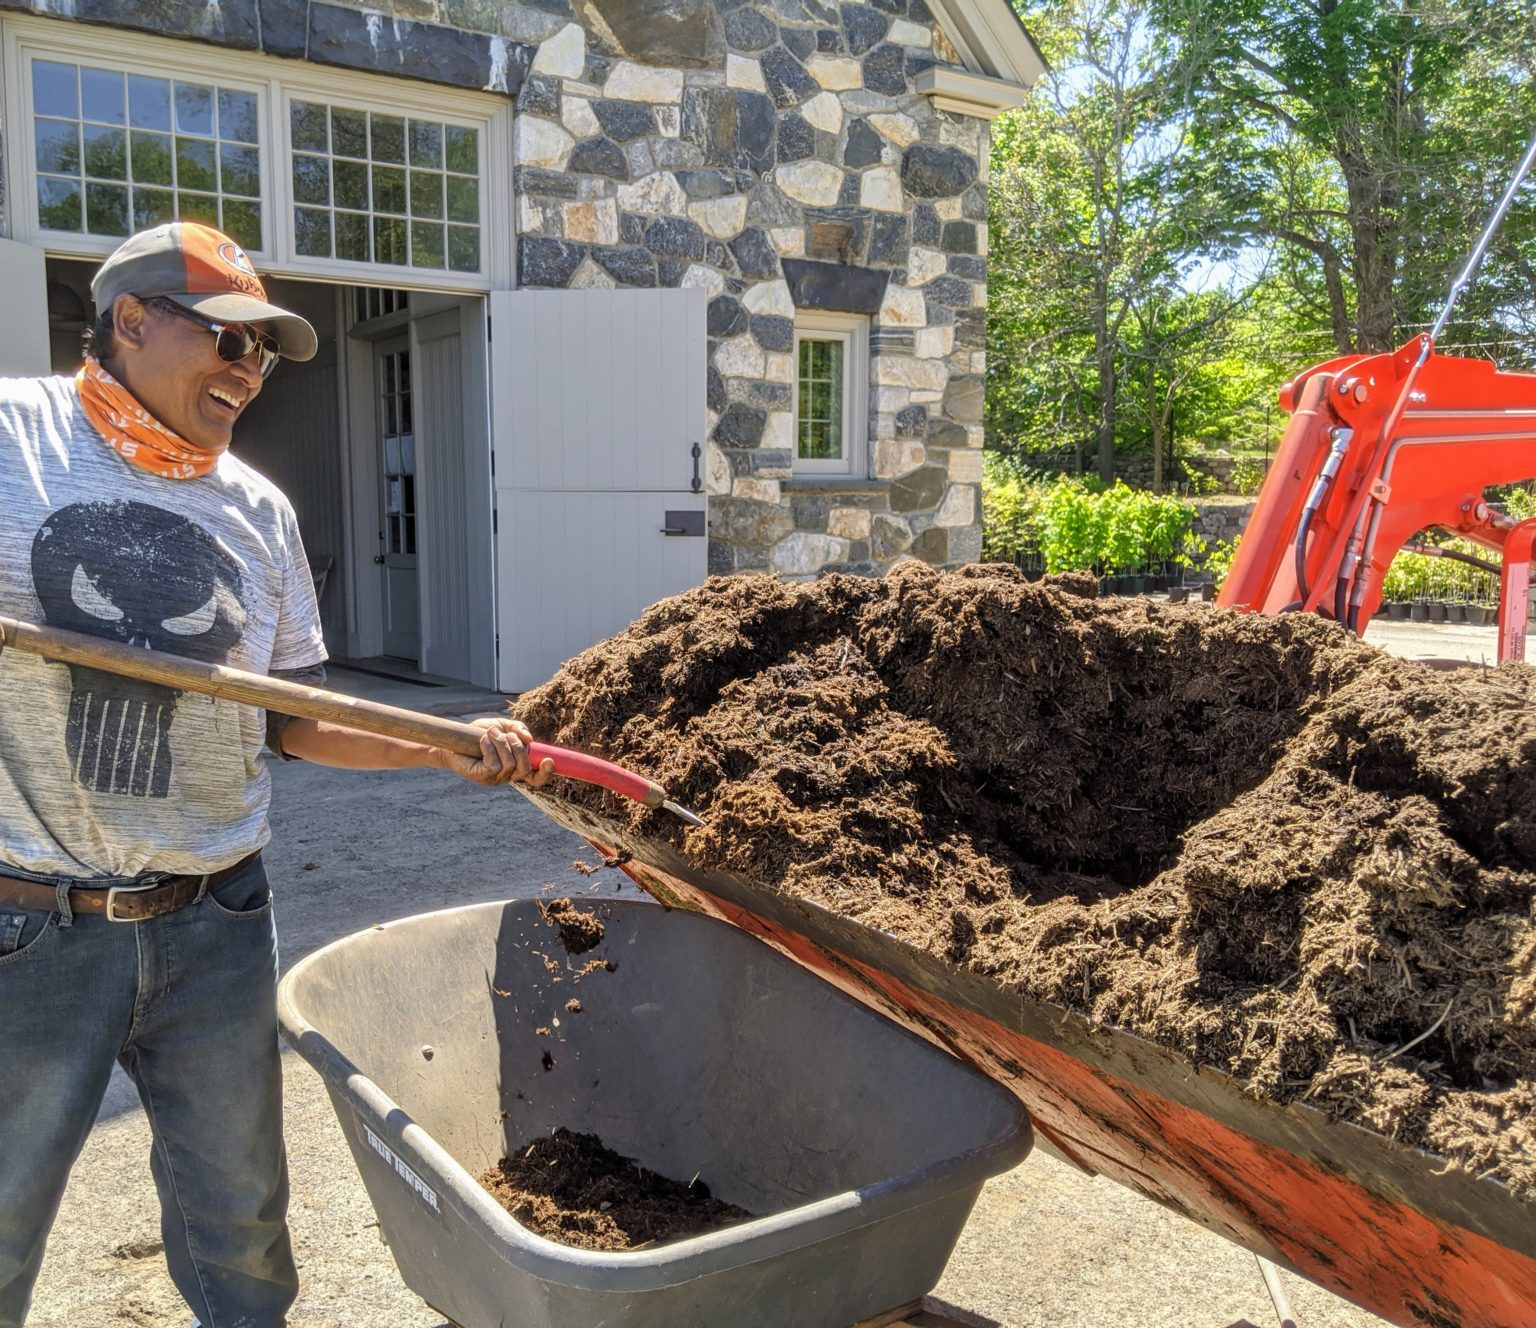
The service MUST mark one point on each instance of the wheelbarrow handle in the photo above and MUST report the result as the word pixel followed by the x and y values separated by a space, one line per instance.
pixel 302 702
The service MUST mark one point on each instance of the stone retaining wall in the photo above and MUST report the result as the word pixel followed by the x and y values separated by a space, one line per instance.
pixel 1223 520
pixel 1136 468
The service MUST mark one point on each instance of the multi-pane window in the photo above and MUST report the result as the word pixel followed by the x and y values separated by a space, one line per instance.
pixel 374 187
pixel 399 458
pixel 117 151
pixel 819 420
pixel 831 377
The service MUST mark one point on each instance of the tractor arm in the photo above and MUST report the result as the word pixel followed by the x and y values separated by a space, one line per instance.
pixel 1378 448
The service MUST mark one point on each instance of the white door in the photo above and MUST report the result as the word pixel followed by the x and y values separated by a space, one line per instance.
pixel 24 349
pixel 395 430
pixel 597 404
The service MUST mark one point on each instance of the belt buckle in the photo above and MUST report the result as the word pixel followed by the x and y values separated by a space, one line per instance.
pixel 115 890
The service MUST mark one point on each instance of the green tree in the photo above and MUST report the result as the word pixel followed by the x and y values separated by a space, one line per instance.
pixel 1086 217
pixel 1361 135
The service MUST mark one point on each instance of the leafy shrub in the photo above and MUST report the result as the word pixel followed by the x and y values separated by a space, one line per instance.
pixel 1118 530
pixel 1218 562
pixel 1417 576
pixel 1520 502
pixel 1071 527
pixel 1406 579
pixel 1010 511
pixel 1248 475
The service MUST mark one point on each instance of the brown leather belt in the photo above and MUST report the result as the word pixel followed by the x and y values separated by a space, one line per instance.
pixel 120 903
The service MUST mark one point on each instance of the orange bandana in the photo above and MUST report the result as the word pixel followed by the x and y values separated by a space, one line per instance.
pixel 133 433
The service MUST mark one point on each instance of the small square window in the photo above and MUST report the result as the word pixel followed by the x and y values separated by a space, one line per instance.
pixel 831 391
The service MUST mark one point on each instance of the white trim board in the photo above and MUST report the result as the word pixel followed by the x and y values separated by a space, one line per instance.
pixel 962 93
pixel 853 331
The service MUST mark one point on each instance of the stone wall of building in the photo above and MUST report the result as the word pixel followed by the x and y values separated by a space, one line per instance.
pixel 774 152
pixel 778 156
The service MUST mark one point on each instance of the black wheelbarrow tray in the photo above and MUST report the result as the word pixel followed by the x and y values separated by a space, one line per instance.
pixel 448 1039
pixel 1392 1228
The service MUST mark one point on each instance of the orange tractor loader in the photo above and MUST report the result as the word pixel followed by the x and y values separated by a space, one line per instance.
pixel 1379 448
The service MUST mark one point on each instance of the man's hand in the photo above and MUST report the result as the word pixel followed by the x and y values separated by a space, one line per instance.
pixel 503 756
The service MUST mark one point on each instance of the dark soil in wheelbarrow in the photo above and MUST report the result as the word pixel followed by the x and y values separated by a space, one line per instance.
pixel 573 1189
pixel 1255 840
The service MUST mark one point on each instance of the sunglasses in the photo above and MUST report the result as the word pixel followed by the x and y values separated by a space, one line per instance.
pixel 232 341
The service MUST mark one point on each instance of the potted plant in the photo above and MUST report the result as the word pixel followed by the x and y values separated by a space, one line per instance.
pixel 1397 590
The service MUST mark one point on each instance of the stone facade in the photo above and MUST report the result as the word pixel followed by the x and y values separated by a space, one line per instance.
pixel 773 152
pixel 789 166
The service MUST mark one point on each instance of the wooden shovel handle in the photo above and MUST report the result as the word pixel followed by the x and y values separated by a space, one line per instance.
pixel 292 698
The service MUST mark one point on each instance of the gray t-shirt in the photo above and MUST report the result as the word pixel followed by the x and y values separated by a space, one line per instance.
pixel 104 777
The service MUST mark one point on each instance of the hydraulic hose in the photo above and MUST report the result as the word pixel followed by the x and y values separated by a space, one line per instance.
pixel 1455 556
pixel 1339 440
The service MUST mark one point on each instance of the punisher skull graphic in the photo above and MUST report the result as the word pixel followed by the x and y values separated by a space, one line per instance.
pixel 144 577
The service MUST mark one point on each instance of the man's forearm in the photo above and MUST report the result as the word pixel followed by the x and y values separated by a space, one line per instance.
pixel 351 749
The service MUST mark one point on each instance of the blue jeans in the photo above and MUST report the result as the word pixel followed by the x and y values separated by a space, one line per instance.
pixel 186 1004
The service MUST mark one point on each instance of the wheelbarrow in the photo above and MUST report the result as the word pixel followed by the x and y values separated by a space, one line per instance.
pixel 447 1040
pixel 1394 1229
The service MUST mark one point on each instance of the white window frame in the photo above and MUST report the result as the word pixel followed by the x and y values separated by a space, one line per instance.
pixel 275 82
pixel 853 331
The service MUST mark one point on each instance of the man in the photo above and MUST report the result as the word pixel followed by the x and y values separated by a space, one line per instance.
pixel 135 917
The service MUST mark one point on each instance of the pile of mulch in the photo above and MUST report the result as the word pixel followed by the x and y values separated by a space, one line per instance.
pixel 571 1188
pixel 1253 839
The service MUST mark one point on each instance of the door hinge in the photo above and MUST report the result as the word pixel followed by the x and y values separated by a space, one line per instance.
pixel 498 645
pixel 495 522
pixel 487 328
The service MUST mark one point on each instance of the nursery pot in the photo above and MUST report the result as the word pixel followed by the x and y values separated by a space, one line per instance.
pixel 1397 611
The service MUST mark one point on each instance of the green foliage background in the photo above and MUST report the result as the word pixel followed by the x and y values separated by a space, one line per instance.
pixel 1204 197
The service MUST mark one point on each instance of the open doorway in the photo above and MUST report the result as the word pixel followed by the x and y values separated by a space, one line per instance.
pixel 381 444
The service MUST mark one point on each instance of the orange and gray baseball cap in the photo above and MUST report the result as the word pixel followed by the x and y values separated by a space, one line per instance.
pixel 203 270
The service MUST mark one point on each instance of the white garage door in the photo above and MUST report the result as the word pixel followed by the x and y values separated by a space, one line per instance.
pixel 597 404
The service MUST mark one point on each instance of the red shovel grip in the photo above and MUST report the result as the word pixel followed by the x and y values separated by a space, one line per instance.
pixel 595 770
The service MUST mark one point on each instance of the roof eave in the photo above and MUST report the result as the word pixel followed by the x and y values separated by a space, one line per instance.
pixel 991 39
